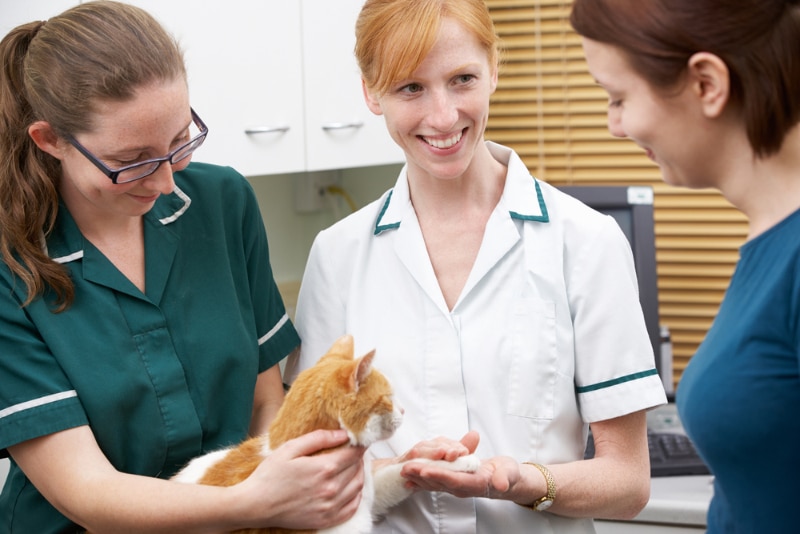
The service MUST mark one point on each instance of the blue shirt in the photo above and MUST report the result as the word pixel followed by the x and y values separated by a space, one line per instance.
pixel 159 377
pixel 740 395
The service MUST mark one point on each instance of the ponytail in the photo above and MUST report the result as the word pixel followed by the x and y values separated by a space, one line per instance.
pixel 28 193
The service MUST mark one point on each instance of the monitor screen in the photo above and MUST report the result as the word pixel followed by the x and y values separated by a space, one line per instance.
pixel 632 208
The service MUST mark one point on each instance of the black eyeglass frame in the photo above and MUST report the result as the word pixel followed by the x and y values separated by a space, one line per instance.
pixel 113 174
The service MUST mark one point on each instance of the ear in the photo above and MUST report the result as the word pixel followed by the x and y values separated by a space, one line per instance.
pixel 362 370
pixel 710 80
pixel 342 347
pixel 373 103
pixel 46 139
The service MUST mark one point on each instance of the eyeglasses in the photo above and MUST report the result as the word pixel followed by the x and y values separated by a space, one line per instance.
pixel 143 169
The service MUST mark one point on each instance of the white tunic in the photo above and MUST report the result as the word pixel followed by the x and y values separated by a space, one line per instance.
pixel 547 336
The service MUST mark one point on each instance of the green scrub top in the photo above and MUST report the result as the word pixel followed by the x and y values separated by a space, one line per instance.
pixel 160 377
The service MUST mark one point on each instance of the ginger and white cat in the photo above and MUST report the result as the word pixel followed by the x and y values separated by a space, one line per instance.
pixel 338 392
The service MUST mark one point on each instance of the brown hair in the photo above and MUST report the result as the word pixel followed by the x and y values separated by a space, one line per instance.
pixel 394 36
pixel 759 41
pixel 56 71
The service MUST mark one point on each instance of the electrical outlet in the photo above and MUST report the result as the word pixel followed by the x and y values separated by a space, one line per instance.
pixel 311 190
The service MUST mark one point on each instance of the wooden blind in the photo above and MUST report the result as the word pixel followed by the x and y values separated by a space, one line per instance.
pixel 548 108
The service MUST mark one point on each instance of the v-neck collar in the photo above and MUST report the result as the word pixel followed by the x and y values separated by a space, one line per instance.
pixel 68 246
pixel 521 197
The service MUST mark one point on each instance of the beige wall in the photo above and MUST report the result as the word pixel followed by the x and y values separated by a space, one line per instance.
pixel 290 233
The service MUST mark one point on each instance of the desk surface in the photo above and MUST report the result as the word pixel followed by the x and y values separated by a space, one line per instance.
pixel 678 500
pixel 675 500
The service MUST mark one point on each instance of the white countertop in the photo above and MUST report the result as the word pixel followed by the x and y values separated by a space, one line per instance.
pixel 681 500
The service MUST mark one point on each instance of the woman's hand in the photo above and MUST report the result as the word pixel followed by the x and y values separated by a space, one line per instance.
pixel 496 478
pixel 289 488
pixel 300 490
pixel 442 448
pixel 615 484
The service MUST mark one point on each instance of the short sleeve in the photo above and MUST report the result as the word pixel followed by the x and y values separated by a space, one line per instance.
pixel 615 368
pixel 277 335
pixel 36 397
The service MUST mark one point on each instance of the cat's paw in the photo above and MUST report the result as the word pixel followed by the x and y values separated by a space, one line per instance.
pixel 467 464
pixel 464 464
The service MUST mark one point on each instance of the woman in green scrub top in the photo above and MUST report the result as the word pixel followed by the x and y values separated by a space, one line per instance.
pixel 140 325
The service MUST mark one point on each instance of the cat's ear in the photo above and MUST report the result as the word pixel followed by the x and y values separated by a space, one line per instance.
pixel 343 347
pixel 362 370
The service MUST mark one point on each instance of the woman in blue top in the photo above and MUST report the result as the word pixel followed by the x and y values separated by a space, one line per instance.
pixel 140 325
pixel 711 90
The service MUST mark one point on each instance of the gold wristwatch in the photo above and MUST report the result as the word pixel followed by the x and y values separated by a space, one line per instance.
pixel 545 502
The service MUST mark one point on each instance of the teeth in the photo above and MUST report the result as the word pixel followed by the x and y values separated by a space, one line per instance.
pixel 444 143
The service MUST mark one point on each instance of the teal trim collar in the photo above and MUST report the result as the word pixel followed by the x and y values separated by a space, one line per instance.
pixel 522 194
pixel 543 216
pixel 381 227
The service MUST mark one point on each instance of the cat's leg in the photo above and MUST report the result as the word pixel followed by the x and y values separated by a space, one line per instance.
pixel 361 522
pixel 390 487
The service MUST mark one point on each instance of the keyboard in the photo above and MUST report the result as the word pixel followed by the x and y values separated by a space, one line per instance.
pixel 671 454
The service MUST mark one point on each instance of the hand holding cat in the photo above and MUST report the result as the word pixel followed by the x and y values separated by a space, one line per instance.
pixel 306 491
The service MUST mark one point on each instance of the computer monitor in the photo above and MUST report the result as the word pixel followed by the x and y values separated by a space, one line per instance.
pixel 632 208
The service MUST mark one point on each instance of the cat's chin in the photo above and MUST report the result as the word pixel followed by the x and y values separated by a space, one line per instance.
pixel 379 427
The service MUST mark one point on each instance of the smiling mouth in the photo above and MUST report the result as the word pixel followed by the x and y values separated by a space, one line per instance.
pixel 146 198
pixel 444 143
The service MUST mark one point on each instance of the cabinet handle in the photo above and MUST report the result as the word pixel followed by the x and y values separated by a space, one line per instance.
pixel 342 125
pixel 266 129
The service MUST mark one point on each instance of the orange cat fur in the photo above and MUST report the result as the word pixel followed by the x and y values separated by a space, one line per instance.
pixel 338 392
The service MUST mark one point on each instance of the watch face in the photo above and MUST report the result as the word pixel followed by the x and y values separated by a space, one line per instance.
pixel 544 505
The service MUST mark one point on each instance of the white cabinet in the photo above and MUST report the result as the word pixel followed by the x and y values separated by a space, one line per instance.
pixel 340 130
pixel 244 61
pixel 275 81
pixel 283 71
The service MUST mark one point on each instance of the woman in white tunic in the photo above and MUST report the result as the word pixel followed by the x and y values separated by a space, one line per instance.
pixel 504 312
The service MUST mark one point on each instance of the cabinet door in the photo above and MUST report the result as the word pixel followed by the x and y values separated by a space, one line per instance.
pixel 244 62
pixel 13 12
pixel 340 129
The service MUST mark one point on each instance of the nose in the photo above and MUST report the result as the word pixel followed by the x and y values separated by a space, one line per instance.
pixel 443 112
pixel 615 123
pixel 162 180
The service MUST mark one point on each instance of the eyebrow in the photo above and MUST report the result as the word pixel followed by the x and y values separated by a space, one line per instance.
pixel 145 148
pixel 465 66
